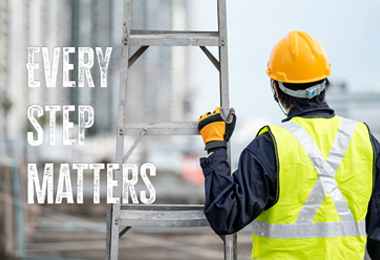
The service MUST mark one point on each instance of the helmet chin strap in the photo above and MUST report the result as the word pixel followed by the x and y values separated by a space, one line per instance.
pixel 283 110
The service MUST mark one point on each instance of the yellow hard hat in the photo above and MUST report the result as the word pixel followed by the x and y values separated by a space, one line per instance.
pixel 298 58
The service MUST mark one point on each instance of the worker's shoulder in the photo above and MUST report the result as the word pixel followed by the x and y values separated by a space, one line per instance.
pixel 262 142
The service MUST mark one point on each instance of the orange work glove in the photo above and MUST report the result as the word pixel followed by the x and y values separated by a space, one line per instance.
pixel 216 128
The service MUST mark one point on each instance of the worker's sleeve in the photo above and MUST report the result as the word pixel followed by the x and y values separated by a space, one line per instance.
pixel 234 201
pixel 373 215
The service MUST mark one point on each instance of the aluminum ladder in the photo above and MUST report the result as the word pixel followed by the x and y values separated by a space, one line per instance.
pixel 121 217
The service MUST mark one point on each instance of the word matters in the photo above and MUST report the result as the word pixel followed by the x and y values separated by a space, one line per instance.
pixel 123 177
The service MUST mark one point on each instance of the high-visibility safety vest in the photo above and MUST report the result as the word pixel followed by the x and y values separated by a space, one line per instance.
pixel 324 186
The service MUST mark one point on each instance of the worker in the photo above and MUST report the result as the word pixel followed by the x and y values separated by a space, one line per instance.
pixel 311 184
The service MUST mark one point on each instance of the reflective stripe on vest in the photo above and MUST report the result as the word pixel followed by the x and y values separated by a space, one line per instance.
pixel 303 226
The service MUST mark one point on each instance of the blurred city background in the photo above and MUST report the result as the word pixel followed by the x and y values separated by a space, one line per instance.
pixel 165 84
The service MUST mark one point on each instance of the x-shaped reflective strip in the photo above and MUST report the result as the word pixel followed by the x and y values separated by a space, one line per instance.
pixel 326 170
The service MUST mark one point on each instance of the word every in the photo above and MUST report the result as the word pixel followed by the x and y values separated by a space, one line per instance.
pixel 83 111
pixel 129 176
pixel 85 64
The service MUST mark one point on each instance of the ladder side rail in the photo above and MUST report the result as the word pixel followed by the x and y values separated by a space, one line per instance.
pixel 223 55
pixel 113 212
pixel 230 241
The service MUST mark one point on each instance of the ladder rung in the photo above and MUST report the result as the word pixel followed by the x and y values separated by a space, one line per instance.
pixel 162 128
pixel 173 38
pixel 163 215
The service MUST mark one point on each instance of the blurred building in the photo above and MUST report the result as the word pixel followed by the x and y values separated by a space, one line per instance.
pixel 24 24
pixel 157 88
pixel 362 106
pixel 4 57
pixel 92 24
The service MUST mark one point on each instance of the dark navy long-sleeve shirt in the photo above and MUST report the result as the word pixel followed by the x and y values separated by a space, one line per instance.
pixel 233 201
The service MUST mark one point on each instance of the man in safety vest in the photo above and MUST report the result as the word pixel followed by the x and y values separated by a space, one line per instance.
pixel 311 185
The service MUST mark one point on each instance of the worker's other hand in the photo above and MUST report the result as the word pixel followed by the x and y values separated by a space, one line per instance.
pixel 216 128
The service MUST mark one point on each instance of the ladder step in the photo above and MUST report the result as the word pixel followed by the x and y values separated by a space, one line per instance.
pixel 173 38
pixel 162 128
pixel 163 215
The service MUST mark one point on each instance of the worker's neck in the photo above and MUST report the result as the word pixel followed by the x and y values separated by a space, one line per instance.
pixel 287 108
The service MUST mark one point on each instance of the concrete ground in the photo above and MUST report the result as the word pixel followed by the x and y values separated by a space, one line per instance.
pixel 136 245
